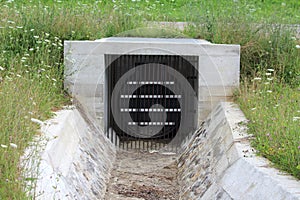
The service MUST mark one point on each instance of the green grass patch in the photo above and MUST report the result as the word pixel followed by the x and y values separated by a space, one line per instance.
pixel 274 113
pixel 31 64
pixel 270 87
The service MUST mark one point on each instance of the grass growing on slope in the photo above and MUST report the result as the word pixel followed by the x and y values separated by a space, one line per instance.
pixel 274 113
pixel 31 68
pixel 31 38
pixel 270 85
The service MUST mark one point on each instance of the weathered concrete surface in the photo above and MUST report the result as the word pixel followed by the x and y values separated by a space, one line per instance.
pixel 143 176
pixel 219 163
pixel 72 159
pixel 85 64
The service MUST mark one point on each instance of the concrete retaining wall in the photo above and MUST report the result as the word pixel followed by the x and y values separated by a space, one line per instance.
pixel 219 163
pixel 71 159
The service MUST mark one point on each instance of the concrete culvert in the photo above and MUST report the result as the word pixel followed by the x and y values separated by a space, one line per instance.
pixel 149 123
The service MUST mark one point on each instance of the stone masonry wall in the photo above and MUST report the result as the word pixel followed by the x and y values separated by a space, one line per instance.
pixel 201 162
pixel 73 160
pixel 219 163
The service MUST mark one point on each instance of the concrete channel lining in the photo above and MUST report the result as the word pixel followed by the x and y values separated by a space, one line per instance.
pixel 227 166
pixel 75 160
pixel 70 160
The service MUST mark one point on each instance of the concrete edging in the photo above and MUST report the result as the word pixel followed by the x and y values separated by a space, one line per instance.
pixel 69 160
pixel 228 167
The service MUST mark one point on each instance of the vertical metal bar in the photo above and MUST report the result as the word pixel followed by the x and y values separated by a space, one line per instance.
pixel 138 58
pixel 128 64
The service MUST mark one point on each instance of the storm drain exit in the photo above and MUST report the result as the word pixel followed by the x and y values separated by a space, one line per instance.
pixel 151 99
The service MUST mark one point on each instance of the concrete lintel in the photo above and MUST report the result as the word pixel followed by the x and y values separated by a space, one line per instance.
pixel 161 46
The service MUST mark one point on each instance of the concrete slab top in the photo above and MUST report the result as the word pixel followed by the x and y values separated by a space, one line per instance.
pixel 154 40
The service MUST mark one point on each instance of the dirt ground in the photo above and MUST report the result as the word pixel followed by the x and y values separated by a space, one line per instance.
pixel 143 176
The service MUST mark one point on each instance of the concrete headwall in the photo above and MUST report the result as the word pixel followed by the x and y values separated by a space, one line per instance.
pixel 71 160
pixel 219 163
pixel 85 64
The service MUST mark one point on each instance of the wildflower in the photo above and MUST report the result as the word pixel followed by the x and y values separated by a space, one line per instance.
pixel 299 147
pixel 269 79
pixel 36 36
pixel 1 68
pixel 269 91
pixel 31 29
pixel 10 22
pixel 270 70
pixel 13 145
pixel 297 46
pixel 296 118
pixel 3 146
pixel 253 108
pixel 268 74
pixel 257 78
pixel 19 27
pixel 267 83
pixel 18 75
pixel 37 121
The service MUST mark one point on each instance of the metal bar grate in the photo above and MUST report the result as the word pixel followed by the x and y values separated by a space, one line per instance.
pixel 146 102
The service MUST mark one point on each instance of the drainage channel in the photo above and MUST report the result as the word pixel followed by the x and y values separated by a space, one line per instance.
pixel 143 175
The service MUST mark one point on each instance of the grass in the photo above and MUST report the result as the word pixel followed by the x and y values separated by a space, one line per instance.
pixel 274 113
pixel 31 65
pixel 270 86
